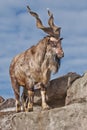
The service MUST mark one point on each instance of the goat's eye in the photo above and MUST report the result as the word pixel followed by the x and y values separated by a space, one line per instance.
pixel 53 44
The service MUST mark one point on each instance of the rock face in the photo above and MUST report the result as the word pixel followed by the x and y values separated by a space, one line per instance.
pixel 77 93
pixel 57 89
pixel 70 116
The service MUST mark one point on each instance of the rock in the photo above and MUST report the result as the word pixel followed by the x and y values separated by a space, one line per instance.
pixel 71 117
pixel 5 120
pixel 1 99
pixel 7 103
pixel 57 89
pixel 78 91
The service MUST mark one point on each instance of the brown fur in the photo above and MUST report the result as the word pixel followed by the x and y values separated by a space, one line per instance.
pixel 34 66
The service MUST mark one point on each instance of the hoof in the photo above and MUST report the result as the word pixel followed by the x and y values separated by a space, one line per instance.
pixel 18 109
pixel 29 110
pixel 46 107
pixel 30 107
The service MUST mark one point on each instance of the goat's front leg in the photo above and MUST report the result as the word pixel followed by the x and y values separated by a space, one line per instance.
pixel 16 89
pixel 43 95
pixel 31 100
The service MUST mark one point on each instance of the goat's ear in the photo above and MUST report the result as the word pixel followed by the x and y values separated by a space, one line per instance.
pixel 61 38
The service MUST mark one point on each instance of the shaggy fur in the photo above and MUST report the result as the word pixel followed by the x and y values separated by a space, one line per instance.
pixel 35 66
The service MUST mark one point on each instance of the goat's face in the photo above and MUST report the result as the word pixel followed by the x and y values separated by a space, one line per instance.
pixel 56 47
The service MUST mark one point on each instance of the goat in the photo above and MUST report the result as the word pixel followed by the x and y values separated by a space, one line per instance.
pixel 35 65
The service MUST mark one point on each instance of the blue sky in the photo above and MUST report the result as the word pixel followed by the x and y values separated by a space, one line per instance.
pixel 18 32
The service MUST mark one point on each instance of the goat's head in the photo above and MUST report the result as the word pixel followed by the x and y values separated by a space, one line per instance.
pixel 55 45
pixel 52 30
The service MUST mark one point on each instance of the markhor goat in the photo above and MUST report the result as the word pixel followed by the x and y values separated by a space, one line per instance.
pixel 34 66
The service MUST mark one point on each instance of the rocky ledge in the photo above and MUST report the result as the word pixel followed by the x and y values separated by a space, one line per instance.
pixel 67 95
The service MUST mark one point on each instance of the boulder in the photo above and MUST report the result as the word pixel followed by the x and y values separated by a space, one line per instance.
pixel 7 103
pixel 57 89
pixel 77 92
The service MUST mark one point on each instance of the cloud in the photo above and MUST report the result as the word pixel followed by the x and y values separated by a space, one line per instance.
pixel 18 32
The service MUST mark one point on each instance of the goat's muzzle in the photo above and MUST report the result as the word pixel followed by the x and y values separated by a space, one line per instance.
pixel 60 55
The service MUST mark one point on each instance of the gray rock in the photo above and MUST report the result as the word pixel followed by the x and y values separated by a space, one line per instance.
pixel 7 103
pixel 57 89
pixel 78 91
pixel 71 117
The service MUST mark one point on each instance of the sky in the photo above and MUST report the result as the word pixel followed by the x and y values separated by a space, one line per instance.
pixel 18 32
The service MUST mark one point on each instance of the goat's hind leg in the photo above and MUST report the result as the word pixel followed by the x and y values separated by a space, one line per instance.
pixel 16 89
pixel 24 99
pixel 30 100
